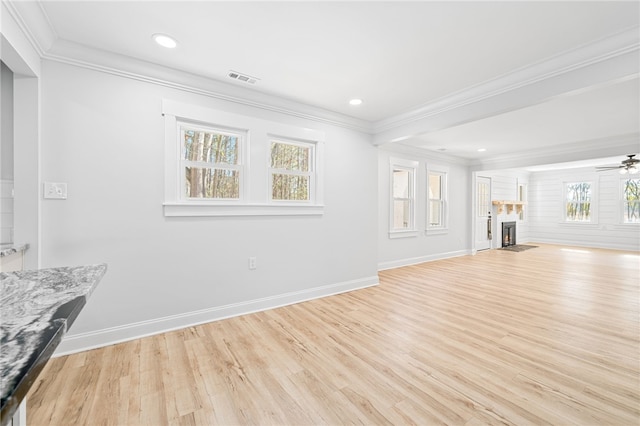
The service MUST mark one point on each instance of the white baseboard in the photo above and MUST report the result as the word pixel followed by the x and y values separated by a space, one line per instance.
pixel 585 245
pixel 421 259
pixel 96 339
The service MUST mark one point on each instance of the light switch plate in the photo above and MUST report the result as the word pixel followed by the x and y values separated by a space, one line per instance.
pixel 55 190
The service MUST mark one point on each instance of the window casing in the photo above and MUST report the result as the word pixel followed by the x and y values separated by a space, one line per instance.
pixel 630 200
pixel 292 171
pixel 216 164
pixel 580 202
pixel 402 211
pixel 211 163
pixel 437 200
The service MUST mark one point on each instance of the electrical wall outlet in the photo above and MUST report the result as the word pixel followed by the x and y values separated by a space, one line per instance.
pixel 252 263
pixel 55 191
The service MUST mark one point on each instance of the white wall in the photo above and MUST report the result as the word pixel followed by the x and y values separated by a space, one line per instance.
pixel 6 154
pixel 546 211
pixel 24 61
pixel 6 123
pixel 405 251
pixel 103 135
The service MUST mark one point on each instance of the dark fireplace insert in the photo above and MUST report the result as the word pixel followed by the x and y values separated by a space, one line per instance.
pixel 508 234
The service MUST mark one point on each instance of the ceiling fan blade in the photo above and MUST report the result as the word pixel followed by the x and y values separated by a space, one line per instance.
pixel 609 168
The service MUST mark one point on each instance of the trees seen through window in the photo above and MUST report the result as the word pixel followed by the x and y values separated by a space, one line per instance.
pixel 211 160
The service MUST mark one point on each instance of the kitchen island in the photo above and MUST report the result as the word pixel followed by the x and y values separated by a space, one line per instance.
pixel 36 309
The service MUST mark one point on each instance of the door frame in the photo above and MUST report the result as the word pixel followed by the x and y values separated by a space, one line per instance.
pixel 474 212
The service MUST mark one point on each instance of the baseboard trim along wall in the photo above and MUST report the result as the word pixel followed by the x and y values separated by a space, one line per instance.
pixel 590 244
pixel 421 259
pixel 97 339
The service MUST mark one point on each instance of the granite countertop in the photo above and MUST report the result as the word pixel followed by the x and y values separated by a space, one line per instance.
pixel 36 310
pixel 7 249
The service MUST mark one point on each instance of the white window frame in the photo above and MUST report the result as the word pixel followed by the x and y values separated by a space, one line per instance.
pixel 593 181
pixel 240 167
pixel 443 172
pixel 255 194
pixel 621 201
pixel 312 173
pixel 410 166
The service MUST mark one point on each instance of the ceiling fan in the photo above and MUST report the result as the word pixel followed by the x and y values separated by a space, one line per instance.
pixel 630 165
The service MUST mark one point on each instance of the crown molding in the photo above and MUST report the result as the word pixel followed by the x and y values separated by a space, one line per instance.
pixel 574 151
pixel 621 43
pixel 612 57
pixel 415 152
pixel 81 56
pixel 35 25
pixel 33 22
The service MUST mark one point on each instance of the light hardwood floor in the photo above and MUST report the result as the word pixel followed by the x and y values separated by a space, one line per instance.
pixel 545 336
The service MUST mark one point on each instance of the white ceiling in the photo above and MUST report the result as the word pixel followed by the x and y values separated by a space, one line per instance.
pixel 597 113
pixel 396 56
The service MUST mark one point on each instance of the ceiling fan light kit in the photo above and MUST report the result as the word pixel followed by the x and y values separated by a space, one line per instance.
pixel 631 170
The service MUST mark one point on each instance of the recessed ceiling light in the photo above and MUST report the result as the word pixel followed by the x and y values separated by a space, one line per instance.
pixel 482 149
pixel 164 41
pixel 355 102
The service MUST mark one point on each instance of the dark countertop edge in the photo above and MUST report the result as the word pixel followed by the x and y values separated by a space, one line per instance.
pixel 61 321
pixel 34 367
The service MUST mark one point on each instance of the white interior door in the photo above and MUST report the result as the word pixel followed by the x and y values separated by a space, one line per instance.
pixel 484 229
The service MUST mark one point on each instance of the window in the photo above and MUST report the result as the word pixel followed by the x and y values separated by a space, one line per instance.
pixel 402 199
pixel 578 202
pixel 211 163
pixel 631 200
pixel 219 163
pixel 402 212
pixel 436 200
pixel 291 171
pixel 484 199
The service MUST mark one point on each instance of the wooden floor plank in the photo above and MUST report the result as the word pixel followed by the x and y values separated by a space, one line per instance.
pixel 550 335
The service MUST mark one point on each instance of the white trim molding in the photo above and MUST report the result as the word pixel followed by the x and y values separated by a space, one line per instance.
pixel 85 341
pixel 443 172
pixel 607 59
pixel 577 151
pixel 591 244
pixel 254 199
pixel 122 66
pixel 411 167
pixel 208 209
pixel 422 259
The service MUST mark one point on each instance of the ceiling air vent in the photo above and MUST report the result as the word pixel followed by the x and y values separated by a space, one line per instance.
pixel 242 77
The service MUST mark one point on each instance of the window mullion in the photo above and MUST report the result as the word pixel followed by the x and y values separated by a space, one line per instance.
pixel 204 165
pixel 290 172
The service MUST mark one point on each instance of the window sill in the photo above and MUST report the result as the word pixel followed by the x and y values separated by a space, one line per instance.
pixel 220 210
pixel 402 234
pixel 436 231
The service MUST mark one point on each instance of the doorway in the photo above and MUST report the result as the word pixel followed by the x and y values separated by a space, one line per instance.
pixel 483 221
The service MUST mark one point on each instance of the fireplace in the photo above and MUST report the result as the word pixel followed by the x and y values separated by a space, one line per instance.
pixel 508 234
